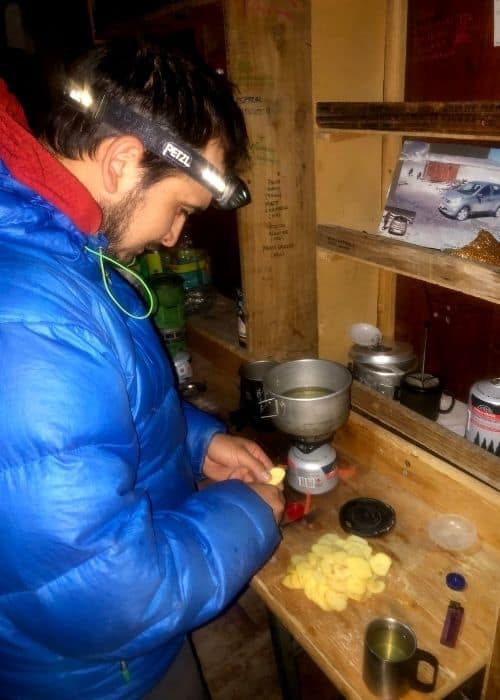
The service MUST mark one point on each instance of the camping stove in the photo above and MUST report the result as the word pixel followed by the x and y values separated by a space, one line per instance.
pixel 312 467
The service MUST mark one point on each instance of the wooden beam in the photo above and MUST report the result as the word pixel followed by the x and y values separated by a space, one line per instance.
pixel 464 120
pixel 394 87
pixel 446 270
pixel 269 59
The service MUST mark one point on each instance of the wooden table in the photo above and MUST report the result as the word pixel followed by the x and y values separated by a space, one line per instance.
pixel 416 591
pixel 374 462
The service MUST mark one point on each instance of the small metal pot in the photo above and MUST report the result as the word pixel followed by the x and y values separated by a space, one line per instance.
pixel 383 366
pixel 308 398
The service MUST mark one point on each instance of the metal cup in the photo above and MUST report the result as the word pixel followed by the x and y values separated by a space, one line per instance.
pixel 252 390
pixel 391 659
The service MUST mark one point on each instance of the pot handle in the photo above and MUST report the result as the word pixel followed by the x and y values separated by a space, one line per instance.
pixel 277 405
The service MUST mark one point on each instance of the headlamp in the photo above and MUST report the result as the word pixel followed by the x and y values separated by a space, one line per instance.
pixel 228 191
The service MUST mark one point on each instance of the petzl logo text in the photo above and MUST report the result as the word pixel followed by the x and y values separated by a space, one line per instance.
pixel 174 152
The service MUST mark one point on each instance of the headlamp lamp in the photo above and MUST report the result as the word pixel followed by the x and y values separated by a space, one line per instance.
pixel 228 191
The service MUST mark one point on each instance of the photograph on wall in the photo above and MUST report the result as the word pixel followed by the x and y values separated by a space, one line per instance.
pixel 443 195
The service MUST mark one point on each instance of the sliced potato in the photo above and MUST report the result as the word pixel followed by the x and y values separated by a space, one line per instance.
pixel 358 550
pixel 338 585
pixel 360 567
pixel 341 572
pixel 320 549
pixel 375 585
pixel 336 601
pixel 292 581
pixel 380 563
pixel 356 539
pixel 355 586
pixel 336 569
pixel 277 476
pixel 338 557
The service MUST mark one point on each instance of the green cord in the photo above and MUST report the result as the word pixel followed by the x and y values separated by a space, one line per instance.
pixel 99 254
pixel 125 671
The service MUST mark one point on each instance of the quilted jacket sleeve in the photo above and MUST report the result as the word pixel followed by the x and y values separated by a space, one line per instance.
pixel 201 427
pixel 90 569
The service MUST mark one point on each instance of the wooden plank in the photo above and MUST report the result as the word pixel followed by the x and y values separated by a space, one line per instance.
pixel 435 438
pixel 422 474
pixel 395 50
pixel 472 120
pixel 446 270
pixel 269 58
pixel 337 278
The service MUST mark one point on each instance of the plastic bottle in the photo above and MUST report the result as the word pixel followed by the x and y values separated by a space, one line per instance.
pixel 192 264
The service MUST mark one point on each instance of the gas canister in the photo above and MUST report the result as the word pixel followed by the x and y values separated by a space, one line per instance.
pixel 483 415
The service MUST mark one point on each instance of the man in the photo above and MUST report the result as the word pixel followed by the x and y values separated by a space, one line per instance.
pixel 109 554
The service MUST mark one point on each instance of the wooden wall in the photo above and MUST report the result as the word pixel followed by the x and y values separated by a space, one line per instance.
pixel 348 48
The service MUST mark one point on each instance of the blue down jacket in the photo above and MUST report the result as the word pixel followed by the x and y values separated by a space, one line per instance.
pixel 108 553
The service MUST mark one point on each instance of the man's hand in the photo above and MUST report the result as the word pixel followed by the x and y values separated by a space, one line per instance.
pixel 230 457
pixel 274 498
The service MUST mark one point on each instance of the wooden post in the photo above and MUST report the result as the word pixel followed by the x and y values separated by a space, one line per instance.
pixel 394 81
pixel 268 53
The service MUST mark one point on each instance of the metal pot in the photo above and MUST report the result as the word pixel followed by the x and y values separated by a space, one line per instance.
pixel 382 366
pixel 308 398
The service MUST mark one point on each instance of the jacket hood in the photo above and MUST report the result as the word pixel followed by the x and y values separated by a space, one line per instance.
pixel 32 165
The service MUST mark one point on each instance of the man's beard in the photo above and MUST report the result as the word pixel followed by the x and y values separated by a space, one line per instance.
pixel 116 220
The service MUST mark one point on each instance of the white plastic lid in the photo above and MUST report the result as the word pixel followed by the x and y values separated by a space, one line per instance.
pixel 365 334
pixel 452 532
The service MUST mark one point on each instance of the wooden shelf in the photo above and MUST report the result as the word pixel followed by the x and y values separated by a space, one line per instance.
pixel 477 121
pixel 435 438
pixel 214 335
pixel 429 265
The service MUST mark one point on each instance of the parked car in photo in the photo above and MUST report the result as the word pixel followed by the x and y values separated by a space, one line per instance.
pixel 471 198
pixel 398 226
pixel 396 220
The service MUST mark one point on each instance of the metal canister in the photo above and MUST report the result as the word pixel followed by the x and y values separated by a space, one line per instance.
pixel 483 415
pixel 382 366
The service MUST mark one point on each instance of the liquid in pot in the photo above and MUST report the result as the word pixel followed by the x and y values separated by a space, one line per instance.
pixel 307 392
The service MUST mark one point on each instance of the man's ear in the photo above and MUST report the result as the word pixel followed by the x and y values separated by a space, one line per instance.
pixel 120 158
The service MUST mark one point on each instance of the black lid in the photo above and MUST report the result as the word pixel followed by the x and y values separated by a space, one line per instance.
pixel 367 517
